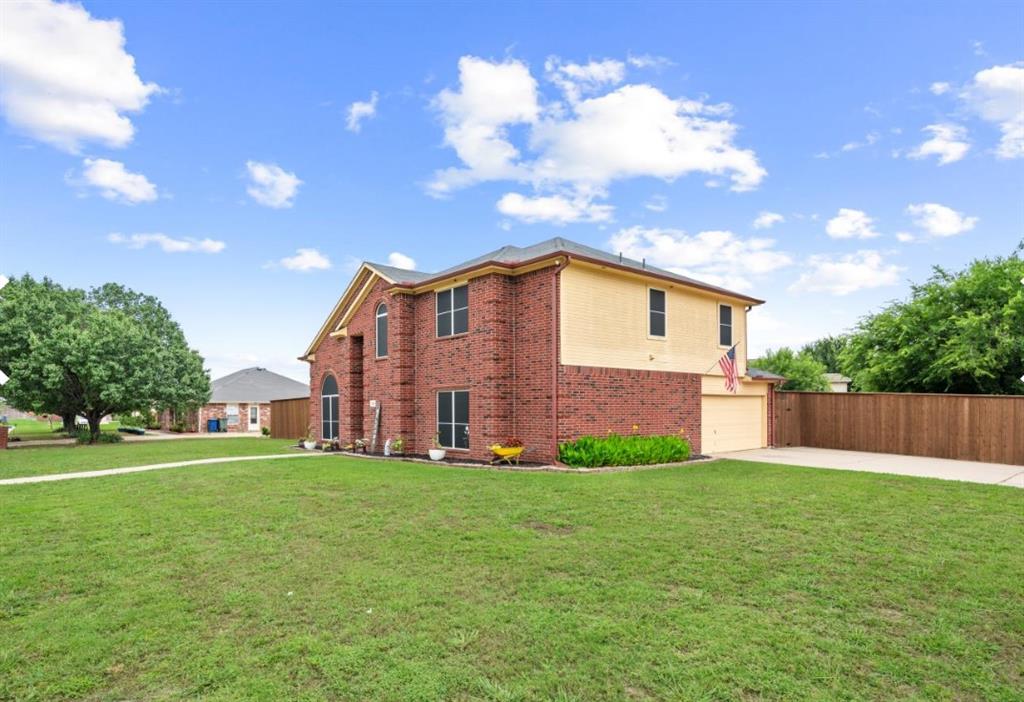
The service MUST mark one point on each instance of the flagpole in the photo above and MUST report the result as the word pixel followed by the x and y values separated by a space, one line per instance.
pixel 716 362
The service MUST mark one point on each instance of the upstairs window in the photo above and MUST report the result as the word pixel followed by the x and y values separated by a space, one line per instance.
pixel 725 325
pixel 382 330
pixel 453 311
pixel 655 312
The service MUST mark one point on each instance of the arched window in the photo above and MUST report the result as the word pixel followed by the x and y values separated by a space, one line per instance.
pixel 382 330
pixel 329 408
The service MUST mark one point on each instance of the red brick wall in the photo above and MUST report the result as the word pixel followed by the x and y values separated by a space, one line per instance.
pixel 219 410
pixel 598 400
pixel 504 360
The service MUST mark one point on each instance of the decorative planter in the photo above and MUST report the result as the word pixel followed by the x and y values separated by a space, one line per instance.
pixel 309 445
pixel 436 454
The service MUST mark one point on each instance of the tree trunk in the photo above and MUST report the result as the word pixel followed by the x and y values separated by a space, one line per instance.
pixel 94 427
pixel 69 422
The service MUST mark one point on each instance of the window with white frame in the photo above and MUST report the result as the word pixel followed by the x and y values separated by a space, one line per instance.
pixel 453 419
pixel 453 311
pixel 656 312
pixel 382 330
pixel 725 325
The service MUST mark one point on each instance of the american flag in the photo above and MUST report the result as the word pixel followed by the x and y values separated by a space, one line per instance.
pixel 728 365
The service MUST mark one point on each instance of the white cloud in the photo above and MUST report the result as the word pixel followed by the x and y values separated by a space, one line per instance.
pixel 578 79
pixel 851 224
pixel 657 203
pixel 577 150
pixel 869 139
pixel 491 98
pixel 648 61
pixel 65 77
pixel 997 95
pixel 168 244
pixel 553 208
pixel 400 260
pixel 716 257
pixel 939 88
pixel 359 111
pixel 117 183
pixel 842 275
pixel 271 185
pixel 306 260
pixel 948 142
pixel 904 237
pixel 766 220
pixel 939 220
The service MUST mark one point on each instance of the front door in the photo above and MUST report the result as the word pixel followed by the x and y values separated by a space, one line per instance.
pixel 254 417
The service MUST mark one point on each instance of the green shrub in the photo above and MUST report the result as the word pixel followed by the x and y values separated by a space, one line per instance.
pixel 131 420
pixel 615 450
pixel 265 431
pixel 84 436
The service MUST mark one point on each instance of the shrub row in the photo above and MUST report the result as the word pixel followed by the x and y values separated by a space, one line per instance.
pixel 615 450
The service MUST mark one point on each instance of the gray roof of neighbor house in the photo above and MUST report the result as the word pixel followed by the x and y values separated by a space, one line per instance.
pixel 512 255
pixel 256 385
pixel 837 378
pixel 759 374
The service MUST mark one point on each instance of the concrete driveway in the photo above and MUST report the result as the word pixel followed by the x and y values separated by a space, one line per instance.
pixel 942 468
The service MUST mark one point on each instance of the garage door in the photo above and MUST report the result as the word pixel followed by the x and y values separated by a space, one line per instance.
pixel 730 423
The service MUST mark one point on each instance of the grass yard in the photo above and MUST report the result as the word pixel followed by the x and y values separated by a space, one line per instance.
pixel 40 460
pixel 37 430
pixel 342 578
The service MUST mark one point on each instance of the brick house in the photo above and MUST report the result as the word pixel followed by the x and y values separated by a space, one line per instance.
pixel 545 343
pixel 241 400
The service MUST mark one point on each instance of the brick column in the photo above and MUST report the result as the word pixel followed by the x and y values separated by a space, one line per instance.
pixel 3 436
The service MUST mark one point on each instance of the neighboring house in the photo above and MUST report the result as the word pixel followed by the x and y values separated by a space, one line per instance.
pixel 241 400
pixel 544 343
pixel 838 382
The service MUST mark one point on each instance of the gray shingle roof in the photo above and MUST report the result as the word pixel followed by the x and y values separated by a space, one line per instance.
pixel 763 374
pixel 256 385
pixel 837 378
pixel 556 245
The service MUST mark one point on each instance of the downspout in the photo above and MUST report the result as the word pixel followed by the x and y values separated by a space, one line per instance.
pixel 555 314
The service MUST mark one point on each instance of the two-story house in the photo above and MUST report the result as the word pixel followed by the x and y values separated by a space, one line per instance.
pixel 545 343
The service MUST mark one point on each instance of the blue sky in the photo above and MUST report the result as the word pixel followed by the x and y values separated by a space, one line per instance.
pixel 817 156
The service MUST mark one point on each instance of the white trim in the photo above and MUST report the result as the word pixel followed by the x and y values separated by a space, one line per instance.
pixel 732 325
pixel 376 330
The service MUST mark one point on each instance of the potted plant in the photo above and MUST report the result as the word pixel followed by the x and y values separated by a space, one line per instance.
pixel 307 439
pixel 437 453
pixel 507 451
pixel 394 447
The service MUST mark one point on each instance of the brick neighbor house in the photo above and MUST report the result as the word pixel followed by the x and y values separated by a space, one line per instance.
pixel 241 400
pixel 545 343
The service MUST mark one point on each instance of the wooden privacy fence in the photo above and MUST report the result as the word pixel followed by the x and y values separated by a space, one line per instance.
pixel 289 419
pixel 966 427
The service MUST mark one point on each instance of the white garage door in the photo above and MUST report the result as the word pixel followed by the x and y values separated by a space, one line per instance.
pixel 730 423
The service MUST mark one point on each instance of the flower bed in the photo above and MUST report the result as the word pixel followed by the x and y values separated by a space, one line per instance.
pixel 616 450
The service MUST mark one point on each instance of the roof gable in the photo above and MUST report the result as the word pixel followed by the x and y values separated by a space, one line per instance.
pixel 255 385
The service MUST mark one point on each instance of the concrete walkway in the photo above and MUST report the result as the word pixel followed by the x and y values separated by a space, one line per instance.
pixel 918 466
pixel 150 435
pixel 155 466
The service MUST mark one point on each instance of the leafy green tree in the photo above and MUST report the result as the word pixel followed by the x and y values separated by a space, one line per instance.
pixel 826 351
pixel 957 333
pixel 111 350
pixel 801 370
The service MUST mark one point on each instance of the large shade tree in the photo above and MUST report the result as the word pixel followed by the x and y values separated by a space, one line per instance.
pixel 107 351
pixel 959 332
pixel 801 370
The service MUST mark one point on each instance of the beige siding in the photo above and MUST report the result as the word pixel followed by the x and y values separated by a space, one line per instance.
pixel 604 323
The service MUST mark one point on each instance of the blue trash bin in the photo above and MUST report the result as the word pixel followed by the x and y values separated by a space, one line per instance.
pixel 213 425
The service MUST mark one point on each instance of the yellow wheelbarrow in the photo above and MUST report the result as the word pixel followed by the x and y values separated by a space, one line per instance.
pixel 503 454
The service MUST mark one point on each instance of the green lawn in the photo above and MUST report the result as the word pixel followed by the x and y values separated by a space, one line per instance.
pixel 37 430
pixel 40 460
pixel 341 578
